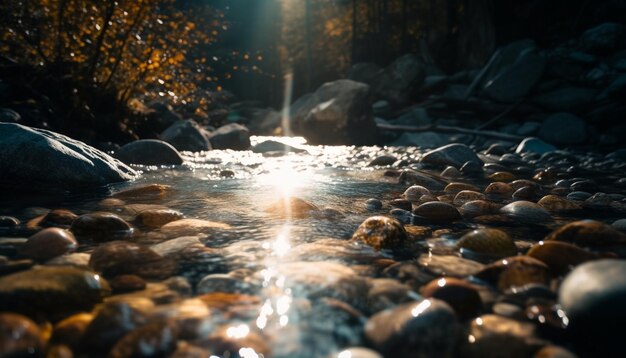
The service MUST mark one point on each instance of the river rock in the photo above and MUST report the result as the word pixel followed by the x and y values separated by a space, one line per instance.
pixel 155 339
pixel 49 243
pixel 605 37
pixel 465 196
pixel 413 177
pixel 119 258
pixel 149 152
pixel 588 233
pixel 339 112
pixel 58 218
pixel 386 293
pixel 8 222
pixel 437 211
pixel 515 81
pixel 534 145
pixel 19 336
pixel 515 271
pixel 381 232
pixel 292 207
pixel 425 328
pixel 460 295
pixel 415 192
pixel 112 322
pixel 101 226
pixel 486 245
pixel 158 217
pixel 356 352
pixel 476 208
pixel 70 330
pixel 383 160
pixel 593 296
pixel 449 266
pixel 557 204
pixel 552 129
pixel 231 136
pixel 272 146
pixel 65 289
pixel 225 283
pixel 496 336
pixel 561 257
pixel 455 155
pixel 526 212
pixel 187 135
pixel 38 159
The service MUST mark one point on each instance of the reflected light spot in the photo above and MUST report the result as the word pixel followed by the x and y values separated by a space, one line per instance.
pixel 479 321
pixel 283 304
pixel 283 321
pixel 248 353
pixel 419 309
pixel 238 332
pixel 441 282
pixel 345 354
pixel 281 245
pixel 471 339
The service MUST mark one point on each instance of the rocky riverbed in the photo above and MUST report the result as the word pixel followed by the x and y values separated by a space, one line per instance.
pixel 290 250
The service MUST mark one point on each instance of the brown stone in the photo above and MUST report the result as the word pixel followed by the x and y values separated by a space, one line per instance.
pixel 70 331
pixel 157 218
pixel 588 233
pixel 561 257
pixel 151 191
pixel 437 211
pixel 49 243
pixel 119 258
pixel 460 295
pixel 101 226
pixel 515 271
pixel 19 336
pixel 381 232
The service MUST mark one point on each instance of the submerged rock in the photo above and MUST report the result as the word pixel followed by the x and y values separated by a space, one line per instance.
pixel 101 226
pixel 425 328
pixel 588 233
pixel 119 258
pixel 486 245
pixel 36 159
pixel 51 292
pixel 49 243
pixel 526 212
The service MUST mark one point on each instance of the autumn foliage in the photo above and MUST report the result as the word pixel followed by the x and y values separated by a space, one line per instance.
pixel 103 54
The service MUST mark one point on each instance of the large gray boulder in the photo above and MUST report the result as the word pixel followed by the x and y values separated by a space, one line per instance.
pixel 517 79
pixel 187 135
pixel 398 81
pixel 338 113
pixel 231 136
pixel 33 158
pixel 149 152
pixel 563 128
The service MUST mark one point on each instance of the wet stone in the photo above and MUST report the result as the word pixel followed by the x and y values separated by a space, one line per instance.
pixel 460 295
pixel 383 160
pixel 476 208
pixel 127 283
pixel 526 212
pixel 561 257
pixel 373 204
pixel 415 192
pixel 155 339
pixel 411 177
pixel 157 218
pixel 425 328
pixel 526 193
pixel 112 322
pixel 454 188
pixel 499 190
pixel 381 232
pixel 465 196
pixel 515 271
pixel 592 296
pixel 401 204
pixel 486 245
pixel 555 203
pixel 58 218
pixel 620 225
pixel 225 283
pixel 588 233
pixel 578 196
pixel 504 177
pixel 437 211
pixel 472 169
pixel 70 331
pixel 292 207
pixel 455 155
pixel 448 265
pixel 66 290
pixel 101 226
pixel 49 243
pixel 191 227
pixel 146 192
pixel 491 333
pixel 451 172
pixel 76 259
pixel 386 293
pixel 356 352
pixel 119 258
pixel 19 336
